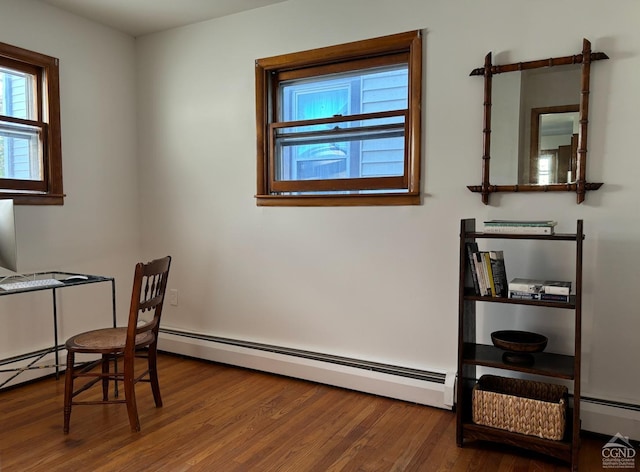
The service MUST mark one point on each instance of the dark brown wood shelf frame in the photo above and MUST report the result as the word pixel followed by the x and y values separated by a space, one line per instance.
pixel 472 355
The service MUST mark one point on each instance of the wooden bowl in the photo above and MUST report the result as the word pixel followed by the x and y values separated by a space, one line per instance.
pixel 519 341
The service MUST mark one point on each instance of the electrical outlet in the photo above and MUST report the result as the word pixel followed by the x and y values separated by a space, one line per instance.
pixel 173 297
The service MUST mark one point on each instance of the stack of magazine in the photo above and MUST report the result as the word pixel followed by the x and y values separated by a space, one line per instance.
pixel 533 289
pixel 520 226
pixel 487 271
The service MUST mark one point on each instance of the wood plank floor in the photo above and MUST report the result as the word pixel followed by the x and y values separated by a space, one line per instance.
pixel 226 419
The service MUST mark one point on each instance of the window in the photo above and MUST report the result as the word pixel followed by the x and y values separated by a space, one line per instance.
pixel 30 144
pixel 341 125
pixel 544 169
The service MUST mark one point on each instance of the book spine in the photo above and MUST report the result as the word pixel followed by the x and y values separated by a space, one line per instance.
pixel 487 265
pixel 521 223
pixel 471 248
pixel 552 297
pixel 499 273
pixel 556 290
pixel 525 287
pixel 523 295
pixel 482 280
pixel 517 295
pixel 519 229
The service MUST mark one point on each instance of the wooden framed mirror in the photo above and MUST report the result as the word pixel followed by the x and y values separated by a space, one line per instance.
pixel 536 124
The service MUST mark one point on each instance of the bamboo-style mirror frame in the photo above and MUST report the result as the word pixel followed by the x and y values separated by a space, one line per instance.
pixel 580 184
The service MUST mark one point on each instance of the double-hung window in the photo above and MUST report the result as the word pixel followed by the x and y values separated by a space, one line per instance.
pixel 30 144
pixel 341 125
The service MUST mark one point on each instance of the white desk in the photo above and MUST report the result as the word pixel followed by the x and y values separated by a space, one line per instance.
pixel 38 355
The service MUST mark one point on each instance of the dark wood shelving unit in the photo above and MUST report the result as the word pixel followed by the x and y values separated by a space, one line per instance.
pixel 550 365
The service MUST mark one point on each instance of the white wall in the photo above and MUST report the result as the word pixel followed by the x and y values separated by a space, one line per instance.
pixel 96 231
pixel 381 283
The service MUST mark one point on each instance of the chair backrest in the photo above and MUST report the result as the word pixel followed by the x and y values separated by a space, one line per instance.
pixel 149 287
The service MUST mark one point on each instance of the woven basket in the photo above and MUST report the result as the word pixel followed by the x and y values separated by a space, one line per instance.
pixel 520 406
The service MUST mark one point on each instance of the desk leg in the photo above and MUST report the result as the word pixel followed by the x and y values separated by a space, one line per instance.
pixel 55 334
pixel 115 325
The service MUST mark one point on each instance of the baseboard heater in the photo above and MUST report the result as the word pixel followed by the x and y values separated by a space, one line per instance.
pixel 611 403
pixel 427 376
pixel 421 386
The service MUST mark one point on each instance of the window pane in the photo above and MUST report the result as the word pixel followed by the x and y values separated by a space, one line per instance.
pixel 317 100
pixel 320 161
pixel 328 163
pixel 16 94
pixel 385 91
pixel 338 160
pixel 364 91
pixel 20 152
pixel 344 150
pixel 382 157
pixel 323 151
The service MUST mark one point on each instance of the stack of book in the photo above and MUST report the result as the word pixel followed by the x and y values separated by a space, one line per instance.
pixel 488 271
pixel 519 226
pixel 533 289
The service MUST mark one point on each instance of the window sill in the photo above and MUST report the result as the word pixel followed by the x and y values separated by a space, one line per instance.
pixel 338 200
pixel 23 198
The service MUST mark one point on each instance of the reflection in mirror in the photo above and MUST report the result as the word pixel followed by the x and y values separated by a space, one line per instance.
pixel 508 126
pixel 554 146
pixel 515 95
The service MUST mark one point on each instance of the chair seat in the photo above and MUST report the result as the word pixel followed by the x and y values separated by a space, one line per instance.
pixel 106 340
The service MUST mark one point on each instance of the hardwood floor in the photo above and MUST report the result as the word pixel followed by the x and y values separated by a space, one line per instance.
pixel 224 419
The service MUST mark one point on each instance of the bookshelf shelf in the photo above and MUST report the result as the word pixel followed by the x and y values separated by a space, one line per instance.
pixel 552 366
pixel 558 449
pixel 545 363
pixel 471 296
pixel 539 237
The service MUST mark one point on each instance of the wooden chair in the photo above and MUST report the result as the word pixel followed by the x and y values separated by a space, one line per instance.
pixel 141 333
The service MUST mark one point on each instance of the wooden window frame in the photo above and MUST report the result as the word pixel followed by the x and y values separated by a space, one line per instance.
pixel 403 47
pixel 48 191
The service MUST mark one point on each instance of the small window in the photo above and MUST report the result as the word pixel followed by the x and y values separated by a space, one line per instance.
pixel 544 169
pixel 30 150
pixel 341 125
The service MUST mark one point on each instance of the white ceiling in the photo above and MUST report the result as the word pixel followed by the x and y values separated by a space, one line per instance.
pixel 139 17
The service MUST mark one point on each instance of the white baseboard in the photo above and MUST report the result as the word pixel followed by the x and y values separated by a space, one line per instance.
pixel 434 394
pixel 610 418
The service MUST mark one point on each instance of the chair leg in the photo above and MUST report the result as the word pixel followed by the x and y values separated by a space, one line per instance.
pixel 130 393
pixel 153 374
pixel 68 390
pixel 105 379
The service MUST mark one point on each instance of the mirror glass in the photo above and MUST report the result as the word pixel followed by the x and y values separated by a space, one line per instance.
pixel 534 124
pixel 554 146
